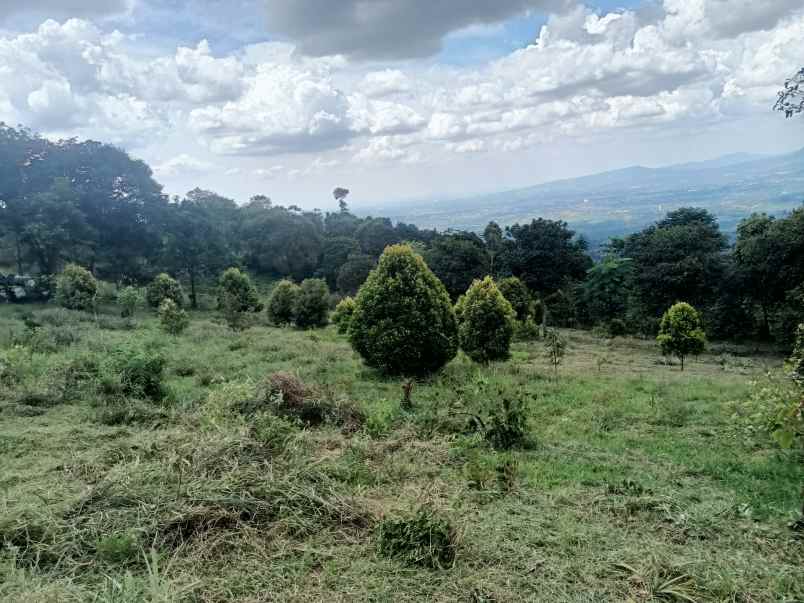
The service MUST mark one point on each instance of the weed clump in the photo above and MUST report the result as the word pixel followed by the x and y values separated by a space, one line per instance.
pixel 138 373
pixel 506 426
pixel 425 539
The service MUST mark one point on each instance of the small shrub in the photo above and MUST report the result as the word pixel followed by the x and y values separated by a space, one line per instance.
pixel 404 322
pixel 616 327
pixel 342 317
pixel 237 292
pixel 312 304
pixel 282 303
pixel 129 299
pixel 555 347
pixel 173 319
pixel 424 539
pixel 527 330
pixel 506 424
pixel 76 288
pixel 797 358
pixel 486 326
pixel 139 373
pixel 517 294
pixel 681 332
pixel 164 287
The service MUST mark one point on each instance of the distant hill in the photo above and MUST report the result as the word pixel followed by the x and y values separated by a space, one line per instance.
pixel 623 201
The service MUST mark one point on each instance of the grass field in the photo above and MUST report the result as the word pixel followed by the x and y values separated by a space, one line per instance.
pixel 637 484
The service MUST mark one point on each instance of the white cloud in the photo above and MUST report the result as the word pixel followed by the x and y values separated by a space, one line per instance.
pixel 182 165
pixel 681 65
pixel 284 109
pixel 385 83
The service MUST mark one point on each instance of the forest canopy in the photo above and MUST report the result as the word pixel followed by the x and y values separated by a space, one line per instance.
pixel 90 204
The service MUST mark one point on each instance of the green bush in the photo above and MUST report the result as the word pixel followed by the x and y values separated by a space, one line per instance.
pixel 129 300
pixel 681 332
pixel 423 539
pixel 173 319
pixel 76 288
pixel 555 347
pixel 616 327
pixel 282 303
pixel 797 359
pixel 237 292
pixel 164 287
pixel 487 322
pixel 342 317
pixel 312 304
pixel 403 321
pixel 517 294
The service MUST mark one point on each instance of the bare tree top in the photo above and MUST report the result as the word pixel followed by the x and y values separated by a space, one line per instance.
pixel 791 97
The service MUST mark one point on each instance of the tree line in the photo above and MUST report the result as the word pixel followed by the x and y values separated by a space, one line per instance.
pixel 91 204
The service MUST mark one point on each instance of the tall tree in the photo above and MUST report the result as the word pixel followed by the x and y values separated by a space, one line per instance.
pixel 196 241
pixel 458 259
pixel 545 254
pixel 679 257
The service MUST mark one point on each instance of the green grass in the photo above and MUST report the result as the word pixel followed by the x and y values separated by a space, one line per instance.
pixel 636 485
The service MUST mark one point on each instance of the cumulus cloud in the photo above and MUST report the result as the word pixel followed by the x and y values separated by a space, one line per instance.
pixel 284 109
pixel 386 29
pixel 683 63
pixel 182 165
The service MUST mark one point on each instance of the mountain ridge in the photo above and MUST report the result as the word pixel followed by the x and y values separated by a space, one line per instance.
pixel 616 202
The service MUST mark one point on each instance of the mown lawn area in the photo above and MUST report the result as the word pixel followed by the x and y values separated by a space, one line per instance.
pixel 637 482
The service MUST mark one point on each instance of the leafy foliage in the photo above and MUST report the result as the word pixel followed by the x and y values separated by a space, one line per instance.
pixel 282 302
pixel 458 259
pixel 129 300
pixel 76 288
pixel 139 373
pixel 236 290
pixel 403 321
pixel 486 325
pixel 517 294
pixel 555 347
pixel 681 332
pixel 342 317
pixel 544 254
pixel 164 287
pixel 424 538
pixel 312 304
pixel 173 319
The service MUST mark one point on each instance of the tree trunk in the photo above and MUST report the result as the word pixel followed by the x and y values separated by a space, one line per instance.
pixel 193 297
pixel 682 362
pixel 18 250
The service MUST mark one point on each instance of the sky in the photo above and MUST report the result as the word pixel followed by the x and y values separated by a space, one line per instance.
pixel 400 99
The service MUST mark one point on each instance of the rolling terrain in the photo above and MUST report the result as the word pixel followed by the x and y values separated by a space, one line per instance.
pixel 623 201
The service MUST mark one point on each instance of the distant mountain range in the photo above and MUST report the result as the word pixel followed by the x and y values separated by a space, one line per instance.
pixel 623 201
